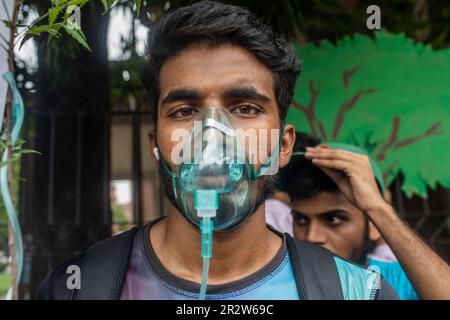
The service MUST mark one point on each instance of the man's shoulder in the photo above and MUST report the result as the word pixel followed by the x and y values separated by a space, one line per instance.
pixel 54 285
pixel 394 274
pixel 362 283
pixel 325 272
pixel 102 263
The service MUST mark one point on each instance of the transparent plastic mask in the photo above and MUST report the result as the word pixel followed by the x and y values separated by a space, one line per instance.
pixel 215 161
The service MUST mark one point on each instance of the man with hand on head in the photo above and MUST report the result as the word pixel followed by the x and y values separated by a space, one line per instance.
pixel 338 203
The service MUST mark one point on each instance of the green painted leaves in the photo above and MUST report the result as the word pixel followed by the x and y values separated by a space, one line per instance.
pixel 388 95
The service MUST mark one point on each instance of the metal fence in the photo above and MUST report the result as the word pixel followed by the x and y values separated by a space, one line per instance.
pixel 429 217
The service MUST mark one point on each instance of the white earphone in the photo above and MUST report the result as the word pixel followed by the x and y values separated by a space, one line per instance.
pixel 156 152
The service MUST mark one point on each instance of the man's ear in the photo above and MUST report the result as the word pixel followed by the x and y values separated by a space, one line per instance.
pixel 374 234
pixel 287 144
pixel 153 145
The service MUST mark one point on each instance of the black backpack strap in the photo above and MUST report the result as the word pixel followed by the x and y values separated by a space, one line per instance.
pixel 315 271
pixel 54 286
pixel 104 268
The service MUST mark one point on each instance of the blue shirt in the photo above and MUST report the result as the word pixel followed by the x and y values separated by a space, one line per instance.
pixel 148 279
pixel 393 273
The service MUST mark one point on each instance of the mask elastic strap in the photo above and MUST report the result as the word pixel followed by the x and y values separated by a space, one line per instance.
pixel 170 172
pixel 268 163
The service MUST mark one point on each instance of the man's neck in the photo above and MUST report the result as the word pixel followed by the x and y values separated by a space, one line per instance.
pixel 235 254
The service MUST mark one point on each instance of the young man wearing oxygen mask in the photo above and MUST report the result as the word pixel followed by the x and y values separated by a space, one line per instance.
pixel 215 72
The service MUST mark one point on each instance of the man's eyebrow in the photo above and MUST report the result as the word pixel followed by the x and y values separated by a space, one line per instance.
pixel 249 93
pixel 180 94
pixel 335 211
pixel 297 213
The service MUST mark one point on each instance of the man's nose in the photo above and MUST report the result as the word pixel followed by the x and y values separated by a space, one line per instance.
pixel 213 100
pixel 315 234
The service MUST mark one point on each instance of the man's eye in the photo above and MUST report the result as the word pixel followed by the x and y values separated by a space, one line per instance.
pixel 300 220
pixel 184 112
pixel 333 220
pixel 246 110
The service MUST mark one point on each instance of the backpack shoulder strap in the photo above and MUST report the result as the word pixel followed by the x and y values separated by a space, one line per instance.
pixel 315 271
pixel 54 286
pixel 104 267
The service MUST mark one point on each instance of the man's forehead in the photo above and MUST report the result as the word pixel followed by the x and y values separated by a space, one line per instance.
pixel 214 69
pixel 323 202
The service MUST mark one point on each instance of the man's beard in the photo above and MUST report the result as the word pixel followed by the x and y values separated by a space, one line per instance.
pixel 367 245
pixel 265 189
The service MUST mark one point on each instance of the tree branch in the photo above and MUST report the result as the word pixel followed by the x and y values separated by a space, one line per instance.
pixel 432 130
pixel 347 106
pixel 309 111
pixel 12 32
pixel 299 106
pixel 347 74
pixel 381 155
pixel 308 115
pixel 392 141
pixel 300 37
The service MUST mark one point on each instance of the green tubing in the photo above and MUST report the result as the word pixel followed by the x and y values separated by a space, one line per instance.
pixel 18 111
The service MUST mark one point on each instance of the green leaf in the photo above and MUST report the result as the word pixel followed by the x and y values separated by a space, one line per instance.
pixel 37 30
pixel 58 2
pixel 69 10
pixel 27 151
pixel 138 6
pixel 53 31
pixel 414 184
pixel 12 159
pixel 73 29
pixel 3 144
pixel 7 23
pixel 107 4
pixel 56 34
pixel 53 14
pixel 73 5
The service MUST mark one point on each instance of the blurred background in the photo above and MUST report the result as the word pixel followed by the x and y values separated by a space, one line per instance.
pixel 87 115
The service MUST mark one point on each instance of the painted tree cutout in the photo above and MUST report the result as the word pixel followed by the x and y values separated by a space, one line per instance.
pixel 349 104
pixel 393 143
pixel 388 95
pixel 317 127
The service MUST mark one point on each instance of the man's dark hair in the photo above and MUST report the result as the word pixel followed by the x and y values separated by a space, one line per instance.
pixel 301 179
pixel 212 23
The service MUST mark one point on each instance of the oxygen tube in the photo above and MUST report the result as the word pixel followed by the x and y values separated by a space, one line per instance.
pixel 214 163
pixel 206 204
pixel 17 119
